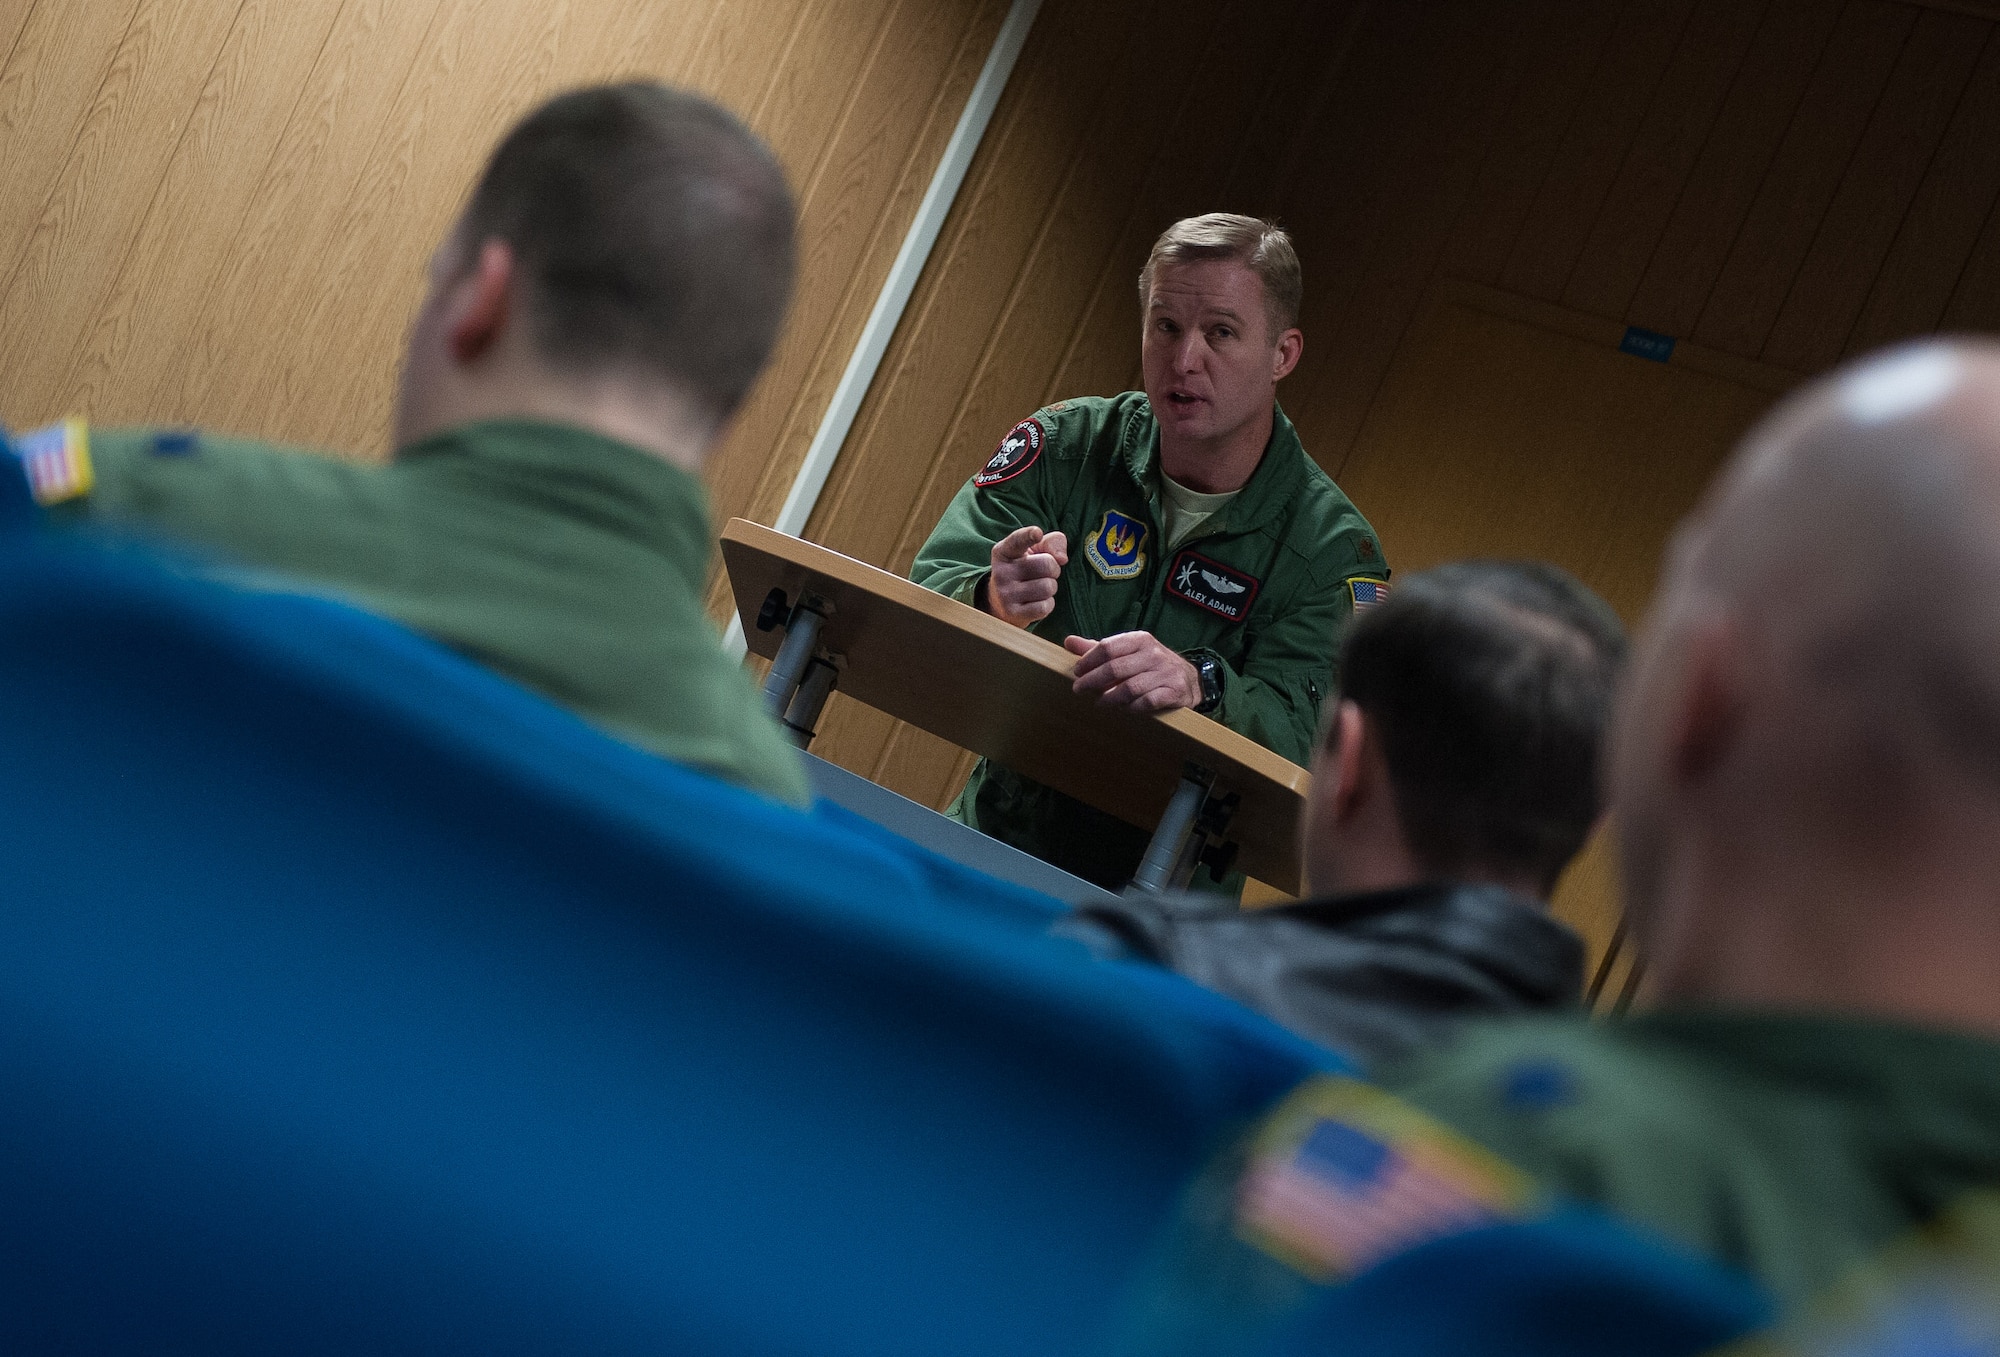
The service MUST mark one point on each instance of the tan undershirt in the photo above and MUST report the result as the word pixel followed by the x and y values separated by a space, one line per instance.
pixel 1188 509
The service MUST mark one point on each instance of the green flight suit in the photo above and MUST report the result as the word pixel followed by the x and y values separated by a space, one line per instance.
pixel 1266 585
pixel 1793 1147
pixel 565 559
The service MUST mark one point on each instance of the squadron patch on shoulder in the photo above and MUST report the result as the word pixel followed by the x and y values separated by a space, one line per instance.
pixel 1016 453
pixel 1222 590
pixel 57 461
pixel 1117 549
pixel 1366 592
pixel 1343 1176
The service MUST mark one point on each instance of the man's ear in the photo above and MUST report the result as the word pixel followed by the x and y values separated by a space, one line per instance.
pixel 1708 710
pixel 1348 744
pixel 482 302
pixel 1285 357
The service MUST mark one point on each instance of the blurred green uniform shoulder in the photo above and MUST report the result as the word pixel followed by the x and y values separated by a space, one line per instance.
pixel 1792 1146
pixel 570 561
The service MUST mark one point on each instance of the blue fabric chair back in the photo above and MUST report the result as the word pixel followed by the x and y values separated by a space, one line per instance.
pixel 353 999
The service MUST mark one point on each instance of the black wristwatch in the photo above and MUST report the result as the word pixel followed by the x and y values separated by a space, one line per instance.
pixel 1209 670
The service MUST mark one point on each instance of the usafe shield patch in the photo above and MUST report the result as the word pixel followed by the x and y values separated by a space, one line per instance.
pixel 1016 453
pixel 1367 593
pixel 1222 590
pixel 57 461
pixel 1343 1175
pixel 1117 549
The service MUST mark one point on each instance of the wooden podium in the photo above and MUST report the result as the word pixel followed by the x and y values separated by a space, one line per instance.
pixel 826 620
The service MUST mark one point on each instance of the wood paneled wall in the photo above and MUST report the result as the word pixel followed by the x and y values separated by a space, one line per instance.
pixel 1787 181
pixel 219 211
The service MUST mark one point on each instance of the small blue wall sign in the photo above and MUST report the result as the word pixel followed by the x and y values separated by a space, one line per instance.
pixel 1648 344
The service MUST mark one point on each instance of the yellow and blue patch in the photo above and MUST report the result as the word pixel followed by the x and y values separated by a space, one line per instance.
pixel 1343 1176
pixel 57 461
pixel 1117 549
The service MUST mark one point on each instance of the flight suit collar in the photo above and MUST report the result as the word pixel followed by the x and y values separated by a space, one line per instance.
pixel 1920 1096
pixel 583 474
pixel 1269 492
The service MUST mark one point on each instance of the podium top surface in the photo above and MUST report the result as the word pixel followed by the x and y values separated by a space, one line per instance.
pixel 996 690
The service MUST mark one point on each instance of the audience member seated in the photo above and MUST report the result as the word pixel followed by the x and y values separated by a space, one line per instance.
pixel 1805 775
pixel 603 306
pixel 1455 777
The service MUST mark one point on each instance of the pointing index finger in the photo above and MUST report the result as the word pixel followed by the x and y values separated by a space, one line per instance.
pixel 1018 543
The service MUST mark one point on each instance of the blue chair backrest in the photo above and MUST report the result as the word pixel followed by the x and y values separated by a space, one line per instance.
pixel 354 999
pixel 1572 1284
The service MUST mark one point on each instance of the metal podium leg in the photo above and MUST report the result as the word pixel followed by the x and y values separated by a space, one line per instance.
pixel 802 717
pixel 782 683
pixel 1163 855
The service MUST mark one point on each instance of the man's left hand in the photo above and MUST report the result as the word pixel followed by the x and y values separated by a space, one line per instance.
pixel 1134 671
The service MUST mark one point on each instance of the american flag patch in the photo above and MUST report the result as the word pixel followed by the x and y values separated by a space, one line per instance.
pixel 57 461
pixel 1367 593
pixel 1344 1176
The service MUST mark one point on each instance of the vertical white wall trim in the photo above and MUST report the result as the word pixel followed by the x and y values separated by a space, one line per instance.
pixel 901 282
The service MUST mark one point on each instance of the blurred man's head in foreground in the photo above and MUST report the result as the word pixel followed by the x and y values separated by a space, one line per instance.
pixel 1807 772
pixel 628 250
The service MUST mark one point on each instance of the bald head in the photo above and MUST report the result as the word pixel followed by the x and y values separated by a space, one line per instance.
pixel 1857 535
pixel 1820 680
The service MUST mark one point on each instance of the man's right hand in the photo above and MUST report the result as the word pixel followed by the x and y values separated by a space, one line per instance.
pixel 1026 565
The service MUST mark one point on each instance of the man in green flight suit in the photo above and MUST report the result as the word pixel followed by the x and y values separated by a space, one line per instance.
pixel 1806 783
pixel 1178 540
pixel 605 303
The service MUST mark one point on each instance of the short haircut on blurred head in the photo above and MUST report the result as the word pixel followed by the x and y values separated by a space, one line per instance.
pixel 1259 245
pixel 654 232
pixel 1490 685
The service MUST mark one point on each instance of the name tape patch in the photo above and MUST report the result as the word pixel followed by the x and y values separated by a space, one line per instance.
pixel 1343 1176
pixel 1223 590
pixel 1016 453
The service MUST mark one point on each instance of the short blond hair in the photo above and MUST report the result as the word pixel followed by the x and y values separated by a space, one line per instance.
pixel 1260 245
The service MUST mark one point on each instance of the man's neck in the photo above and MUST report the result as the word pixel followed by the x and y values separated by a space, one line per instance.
pixel 1911 937
pixel 1216 466
pixel 654 420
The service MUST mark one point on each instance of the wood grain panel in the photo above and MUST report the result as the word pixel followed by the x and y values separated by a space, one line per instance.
pixel 1513 429
pixel 14 17
pixel 157 290
pixel 1676 128
pixel 1895 153
pixel 950 384
pixel 1975 301
pixel 1915 283
pixel 1795 194
pixel 1587 162
pixel 264 263
pixel 1725 178
pixel 1566 39
pixel 219 213
pixel 108 176
pixel 862 165
pixel 1424 178
pixel 56 69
